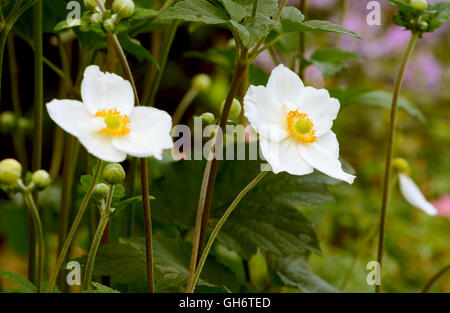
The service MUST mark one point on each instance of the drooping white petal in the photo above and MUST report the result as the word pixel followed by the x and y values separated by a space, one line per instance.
pixel 284 85
pixel 284 156
pixel 414 196
pixel 70 115
pixel 265 113
pixel 321 108
pixel 149 133
pixel 103 91
pixel 100 145
pixel 322 156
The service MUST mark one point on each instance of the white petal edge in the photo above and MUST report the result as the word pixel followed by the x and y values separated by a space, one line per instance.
pixel 104 91
pixel 100 146
pixel 150 133
pixel 70 115
pixel 414 196
pixel 285 156
pixel 284 85
pixel 322 158
pixel 266 115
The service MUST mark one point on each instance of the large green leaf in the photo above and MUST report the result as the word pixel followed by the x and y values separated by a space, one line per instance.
pixel 266 8
pixel 267 217
pixel 290 18
pixel 253 29
pixel 321 26
pixel 295 272
pixel 99 288
pixel 25 284
pixel 236 11
pixel 380 98
pixel 125 263
pixel 196 11
pixel 331 61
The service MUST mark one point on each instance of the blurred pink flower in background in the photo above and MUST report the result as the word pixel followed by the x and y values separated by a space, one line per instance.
pixel 443 206
pixel 424 71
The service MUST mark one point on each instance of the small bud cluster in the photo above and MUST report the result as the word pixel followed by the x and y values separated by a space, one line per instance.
pixel 11 173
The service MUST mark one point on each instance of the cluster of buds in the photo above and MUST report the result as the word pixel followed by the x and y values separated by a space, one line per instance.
pixel 9 122
pixel 109 20
pixel 113 174
pixel 11 173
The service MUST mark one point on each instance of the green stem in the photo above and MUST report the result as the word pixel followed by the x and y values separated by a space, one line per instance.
pixel 74 228
pixel 104 218
pixel 183 105
pixel 3 38
pixel 255 7
pixel 302 39
pixel 143 164
pixel 209 175
pixel 219 225
pixel 390 146
pixel 34 212
pixel 435 278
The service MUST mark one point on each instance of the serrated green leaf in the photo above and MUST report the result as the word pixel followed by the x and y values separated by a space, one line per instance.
pixel 323 26
pixel 253 29
pixel 125 262
pixel 380 98
pixel 290 18
pixel 331 61
pixel 295 272
pixel 25 284
pixel 196 11
pixel 266 8
pixel 236 11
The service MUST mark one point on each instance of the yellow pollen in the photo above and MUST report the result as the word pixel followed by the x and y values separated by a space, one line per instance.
pixel 116 122
pixel 301 127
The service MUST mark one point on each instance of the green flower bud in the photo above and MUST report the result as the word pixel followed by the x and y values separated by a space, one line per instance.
pixel 8 122
pixel 25 124
pixel 400 165
pixel 10 171
pixel 100 191
pixel 235 109
pixel 41 179
pixel 124 8
pixel 420 5
pixel 97 18
pixel 231 43
pixel 423 26
pixel 109 24
pixel 201 82
pixel 208 118
pixel 92 4
pixel 113 174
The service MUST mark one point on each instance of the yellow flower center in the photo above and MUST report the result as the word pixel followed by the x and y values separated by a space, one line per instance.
pixel 116 122
pixel 301 127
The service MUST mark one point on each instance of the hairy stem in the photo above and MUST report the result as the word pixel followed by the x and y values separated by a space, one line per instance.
pixel 390 146
pixel 219 225
pixel 74 228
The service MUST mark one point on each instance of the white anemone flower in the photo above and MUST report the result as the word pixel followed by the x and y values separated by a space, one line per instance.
pixel 414 196
pixel 294 123
pixel 108 124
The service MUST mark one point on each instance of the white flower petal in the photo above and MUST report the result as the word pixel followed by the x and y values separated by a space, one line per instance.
pixel 284 85
pixel 100 145
pixel 285 156
pixel 414 196
pixel 265 113
pixel 70 115
pixel 321 108
pixel 323 157
pixel 103 91
pixel 149 133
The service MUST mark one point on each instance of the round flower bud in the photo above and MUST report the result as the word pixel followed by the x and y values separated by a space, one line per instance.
pixel 231 43
pixel 41 179
pixel 400 165
pixel 235 109
pixel 423 26
pixel 109 24
pixel 208 118
pixel 25 124
pixel 419 4
pixel 8 122
pixel 113 174
pixel 92 4
pixel 124 8
pixel 100 191
pixel 10 171
pixel 201 82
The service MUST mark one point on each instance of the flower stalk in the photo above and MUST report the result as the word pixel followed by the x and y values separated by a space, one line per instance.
pixel 390 146
pixel 433 279
pixel 65 248
pixel 219 225
pixel 104 219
